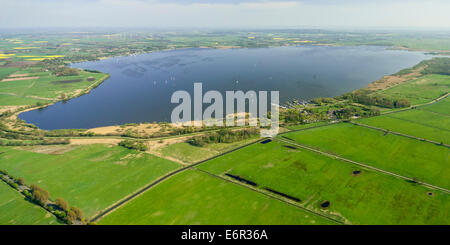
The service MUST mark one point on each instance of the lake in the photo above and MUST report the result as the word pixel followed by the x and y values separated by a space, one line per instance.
pixel 140 86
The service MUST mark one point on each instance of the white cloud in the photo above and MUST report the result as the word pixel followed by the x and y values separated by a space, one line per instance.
pixel 239 13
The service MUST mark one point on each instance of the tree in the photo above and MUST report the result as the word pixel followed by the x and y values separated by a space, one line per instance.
pixel 21 181
pixel 402 103
pixel 71 216
pixel 62 204
pixel 39 195
pixel 133 145
pixel 78 213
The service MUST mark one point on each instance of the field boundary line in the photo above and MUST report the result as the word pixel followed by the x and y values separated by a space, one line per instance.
pixel 415 122
pixel 318 126
pixel 437 113
pixel 133 195
pixel 400 134
pixel 364 165
pixel 270 196
pixel 128 198
pixel 25 199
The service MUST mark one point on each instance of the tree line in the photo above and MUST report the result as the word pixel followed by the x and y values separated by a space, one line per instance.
pixel 38 195
pixel 134 145
pixel 224 135
pixel 377 100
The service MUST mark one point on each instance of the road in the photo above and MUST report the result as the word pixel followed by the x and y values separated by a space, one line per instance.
pixel 419 105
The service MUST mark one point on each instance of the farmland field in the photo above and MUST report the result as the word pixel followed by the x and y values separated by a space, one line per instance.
pixel 15 210
pixel 44 87
pixel 190 154
pixel 195 198
pixel 419 123
pixel 4 72
pixel 305 126
pixel 11 100
pixel 90 177
pixel 421 90
pixel 364 198
pixel 442 107
pixel 409 157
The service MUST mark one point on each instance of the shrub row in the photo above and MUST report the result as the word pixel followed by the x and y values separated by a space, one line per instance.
pixel 224 136
pixel 40 196
pixel 133 145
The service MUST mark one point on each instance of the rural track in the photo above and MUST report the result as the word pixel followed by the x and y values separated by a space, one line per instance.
pixel 364 165
pixel 418 106
pixel 271 196
pixel 318 126
pixel 128 198
pixel 123 137
pixel 400 134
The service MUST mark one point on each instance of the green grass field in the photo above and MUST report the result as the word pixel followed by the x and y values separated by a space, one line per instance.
pixel 90 177
pixel 190 154
pixel 368 198
pixel 6 71
pixel 421 90
pixel 442 107
pixel 196 198
pixel 409 157
pixel 15 210
pixel 419 123
pixel 305 126
pixel 423 43
pixel 46 88
pixel 12 100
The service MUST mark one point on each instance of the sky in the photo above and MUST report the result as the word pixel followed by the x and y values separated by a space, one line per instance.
pixel 225 13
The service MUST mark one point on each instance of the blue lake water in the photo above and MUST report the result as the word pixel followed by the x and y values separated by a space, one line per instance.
pixel 140 87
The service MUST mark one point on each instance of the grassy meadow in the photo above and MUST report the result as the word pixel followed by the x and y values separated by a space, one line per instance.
pixel 367 197
pixel 305 126
pixel 190 154
pixel 419 123
pixel 420 90
pixel 442 107
pixel 196 198
pixel 15 210
pixel 408 157
pixel 44 86
pixel 91 177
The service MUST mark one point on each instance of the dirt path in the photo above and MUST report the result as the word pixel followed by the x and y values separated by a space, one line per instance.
pixel 19 79
pixel 364 165
pixel 419 105
pixel 87 141
pixel 28 96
